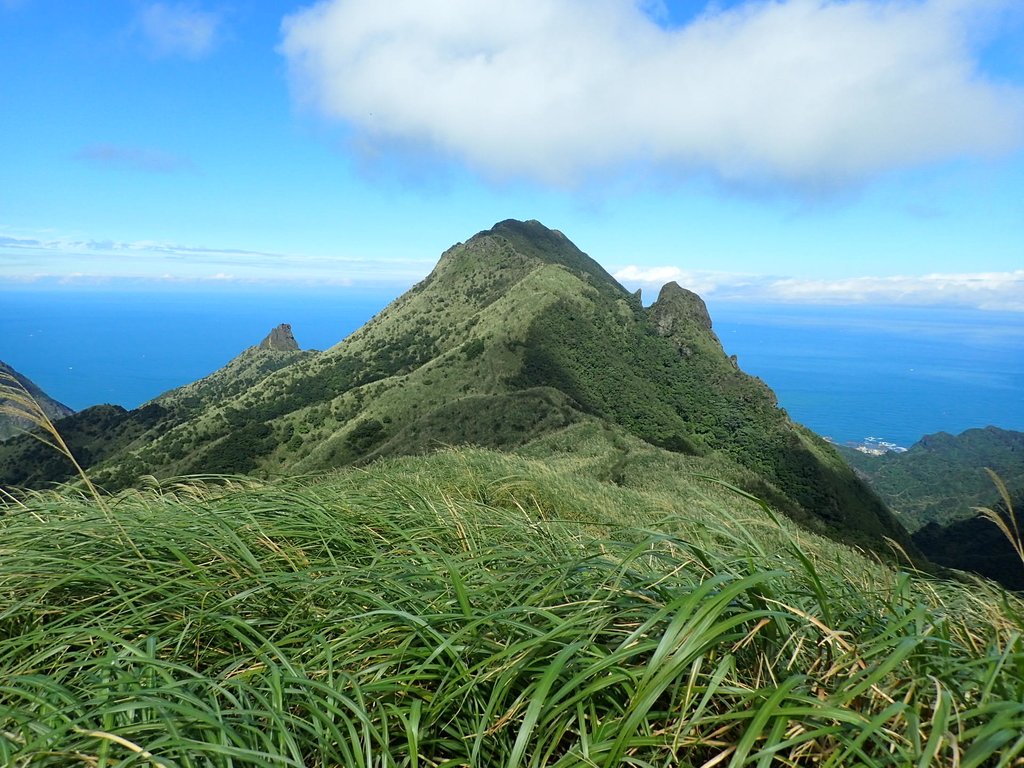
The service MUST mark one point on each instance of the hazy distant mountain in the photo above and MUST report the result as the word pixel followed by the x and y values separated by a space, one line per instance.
pixel 514 335
pixel 935 486
pixel 942 476
pixel 11 424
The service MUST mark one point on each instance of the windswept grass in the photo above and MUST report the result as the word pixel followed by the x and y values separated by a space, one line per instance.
pixel 18 404
pixel 472 608
pixel 1007 525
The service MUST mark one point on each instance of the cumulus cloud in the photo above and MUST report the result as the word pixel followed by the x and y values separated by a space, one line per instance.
pixel 177 29
pixel 137 158
pixel 704 282
pixel 982 290
pixel 807 92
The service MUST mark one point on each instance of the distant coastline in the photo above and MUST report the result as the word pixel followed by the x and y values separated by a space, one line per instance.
pixel 872 446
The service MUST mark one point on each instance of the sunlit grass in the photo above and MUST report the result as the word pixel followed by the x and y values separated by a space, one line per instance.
pixel 473 608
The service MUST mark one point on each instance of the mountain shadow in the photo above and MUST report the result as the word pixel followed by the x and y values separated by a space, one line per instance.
pixel 976 544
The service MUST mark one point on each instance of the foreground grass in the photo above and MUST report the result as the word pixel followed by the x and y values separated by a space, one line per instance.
pixel 478 609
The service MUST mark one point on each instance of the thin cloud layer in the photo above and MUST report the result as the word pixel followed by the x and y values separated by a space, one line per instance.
pixel 177 29
pixel 813 93
pixel 136 158
pixel 28 259
pixel 983 290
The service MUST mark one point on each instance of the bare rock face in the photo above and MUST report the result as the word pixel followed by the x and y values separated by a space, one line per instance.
pixel 280 340
pixel 676 306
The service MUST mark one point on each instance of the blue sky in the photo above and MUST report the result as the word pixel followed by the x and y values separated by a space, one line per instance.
pixel 855 151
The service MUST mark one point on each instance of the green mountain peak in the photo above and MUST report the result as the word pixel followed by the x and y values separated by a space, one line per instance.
pixel 516 337
pixel 677 306
pixel 512 248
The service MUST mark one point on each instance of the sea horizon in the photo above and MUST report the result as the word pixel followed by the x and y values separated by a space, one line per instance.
pixel 846 372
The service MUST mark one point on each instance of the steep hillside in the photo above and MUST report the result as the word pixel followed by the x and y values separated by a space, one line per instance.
pixel 976 544
pixel 517 334
pixel 93 435
pixel 10 422
pixel 278 350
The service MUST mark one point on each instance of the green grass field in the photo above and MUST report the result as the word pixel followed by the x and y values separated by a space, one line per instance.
pixel 475 608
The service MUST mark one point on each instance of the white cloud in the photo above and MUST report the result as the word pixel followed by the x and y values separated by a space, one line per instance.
pixel 808 92
pixel 704 282
pixel 177 29
pixel 983 290
pixel 649 274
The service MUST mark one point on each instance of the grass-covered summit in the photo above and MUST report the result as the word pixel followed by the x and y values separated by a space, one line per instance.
pixel 515 334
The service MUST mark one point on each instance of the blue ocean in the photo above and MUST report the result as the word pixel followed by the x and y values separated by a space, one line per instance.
pixel 893 373
pixel 846 372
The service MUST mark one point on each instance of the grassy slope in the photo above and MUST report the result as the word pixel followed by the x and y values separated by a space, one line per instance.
pixel 663 376
pixel 484 609
pixel 243 372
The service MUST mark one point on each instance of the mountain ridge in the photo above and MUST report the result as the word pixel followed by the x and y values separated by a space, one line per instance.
pixel 10 423
pixel 942 476
pixel 100 432
pixel 517 334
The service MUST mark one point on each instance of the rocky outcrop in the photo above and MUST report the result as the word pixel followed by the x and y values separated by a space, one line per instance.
pixel 280 340
pixel 682 317
pixel 677 306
